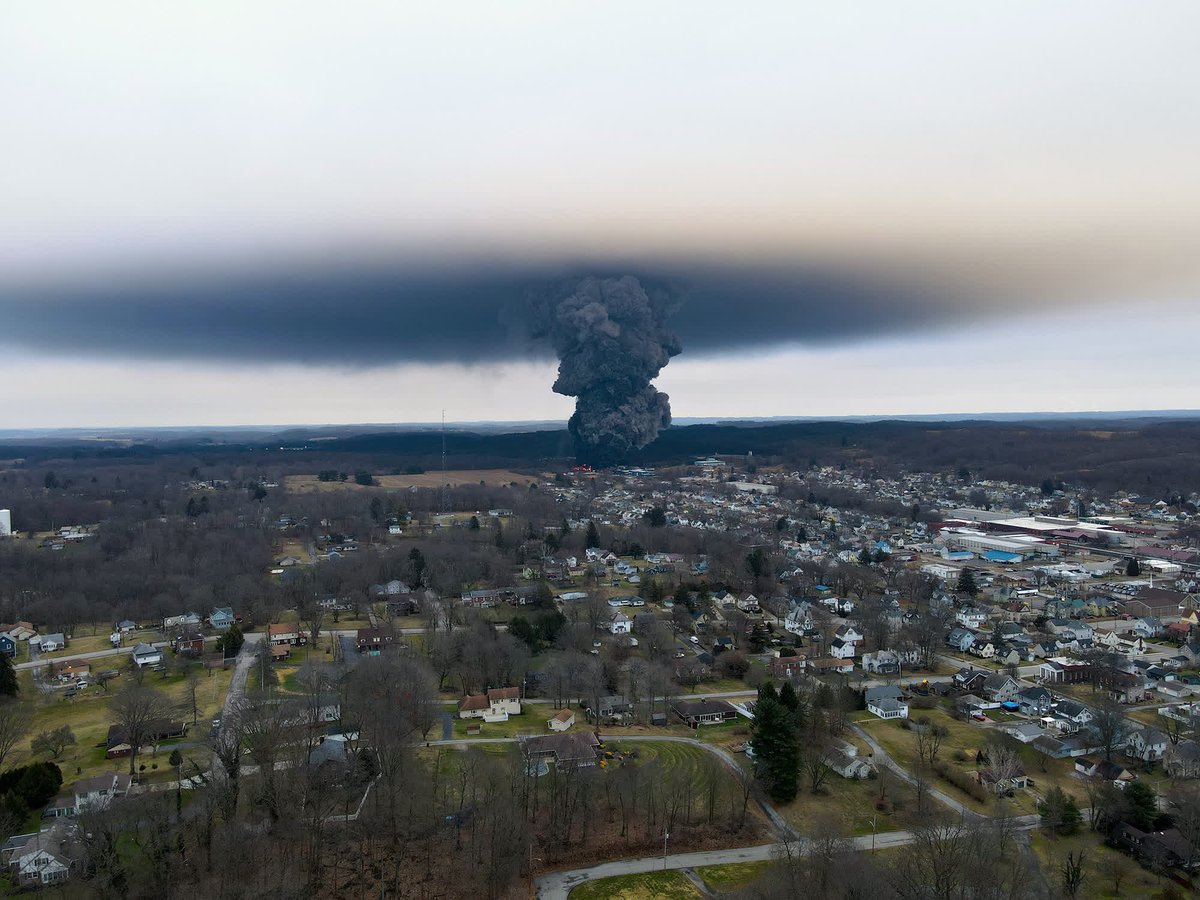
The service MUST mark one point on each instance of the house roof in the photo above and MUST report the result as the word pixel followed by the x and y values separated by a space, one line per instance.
pixel 574 746
pixel 691 708
pixel 282 628
pixel 563 715
pixel 496 695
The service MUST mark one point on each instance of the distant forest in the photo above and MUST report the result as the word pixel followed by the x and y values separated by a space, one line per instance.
pixel 1147 457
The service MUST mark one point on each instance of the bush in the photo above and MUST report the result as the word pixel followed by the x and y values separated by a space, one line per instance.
pixel 960 756
pixel 964 781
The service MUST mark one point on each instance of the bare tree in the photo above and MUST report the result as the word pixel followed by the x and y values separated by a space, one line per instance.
pixel 312 620
pixel 15 719
pixel 140 711
pixel 1110 725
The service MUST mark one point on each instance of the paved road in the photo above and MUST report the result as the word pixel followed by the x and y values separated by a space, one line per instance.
pixel 778 822
pixel 42 661
pixel 557 885
pixel 237 684
pixel 881 756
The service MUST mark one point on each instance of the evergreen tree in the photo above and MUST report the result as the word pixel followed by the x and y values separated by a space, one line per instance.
pixel 776 745
pixel 9 687
pixel 966 583
pixel 1133 568
pixel 593 536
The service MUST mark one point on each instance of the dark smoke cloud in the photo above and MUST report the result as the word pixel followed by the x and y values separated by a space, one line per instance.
pixel 611 338
pixel 380 315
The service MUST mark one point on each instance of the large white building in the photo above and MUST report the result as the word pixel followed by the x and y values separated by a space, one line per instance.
pixel 5 523
pixel 1025 546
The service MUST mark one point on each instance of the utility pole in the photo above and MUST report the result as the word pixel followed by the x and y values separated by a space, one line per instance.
pixel 666 834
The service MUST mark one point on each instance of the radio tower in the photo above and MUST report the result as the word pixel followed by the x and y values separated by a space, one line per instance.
pixel 444 498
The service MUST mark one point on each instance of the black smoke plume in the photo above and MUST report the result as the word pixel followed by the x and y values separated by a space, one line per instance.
pixel 611 338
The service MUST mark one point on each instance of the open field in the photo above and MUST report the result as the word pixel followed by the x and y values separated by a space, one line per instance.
pixel 454 478
pixel 531 721
pixel 670 885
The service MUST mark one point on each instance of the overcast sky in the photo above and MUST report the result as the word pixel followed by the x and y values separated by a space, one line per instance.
pixel 310 212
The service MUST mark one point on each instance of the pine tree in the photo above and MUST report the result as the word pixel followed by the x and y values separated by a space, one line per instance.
pixel 593 536
pixel 966 583
pixel 9 687
pixel 776 744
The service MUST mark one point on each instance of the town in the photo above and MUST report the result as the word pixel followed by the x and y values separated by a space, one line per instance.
pixel 731 674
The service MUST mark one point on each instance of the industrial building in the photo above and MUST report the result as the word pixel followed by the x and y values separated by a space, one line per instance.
pixel 1016 545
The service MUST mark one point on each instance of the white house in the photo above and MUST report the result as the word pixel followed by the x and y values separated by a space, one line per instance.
pixel 970 617
pixel 494 706
pixel 888 708
pixel 840 649
pixel 620 624
pixel 98 791
pixel 561 720
pixel 1147 744
pixel 147 655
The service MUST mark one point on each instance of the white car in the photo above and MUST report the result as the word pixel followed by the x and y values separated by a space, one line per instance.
pixel 694 639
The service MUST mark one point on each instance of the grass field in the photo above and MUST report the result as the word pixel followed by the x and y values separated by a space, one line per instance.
pixel 901 745
pixel 733 876
pixel 454 478
pixel 88 717
pixel 1098 862
pixel 670 885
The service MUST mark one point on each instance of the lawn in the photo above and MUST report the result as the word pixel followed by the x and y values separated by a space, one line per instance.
pixel 1097 879
pixel 88 717
pixel 901 745
pixel 856 805
pixel 733 876
pixel 532 721
pixel 670 885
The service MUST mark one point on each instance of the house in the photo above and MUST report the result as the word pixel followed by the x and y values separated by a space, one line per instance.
pixel 620 624
pixel 147 655
pixel 844 760
pixel 1035 701
pixel 20 631
pixel 8 645
pixel 1147 627
pixel 49 643
pixel 887 708
pixel 749 604
pixel 561 720
pixel 70 669
pixel 494 706
pixel 285 633
pixel 47 857
pixel 840 649
pixel 612 706
pixel 1182 760
pixel 1158 850
pixel 695 713
pixel 1147 744
pixel 970 617
pixel 881 662
pixel 117 744
pixel 970 679
pixel 960 639
pixel 849 634
pixel 1025 732
pixel 574 749
pixel 187 620
pixel 222 618
pixel 825 665
pixel 372 640
pixel 789 667
pixel 190 642
pixel 984 649
pixel 98 791
pixel 1001 688
pixel 1072 712
pixel 126 626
